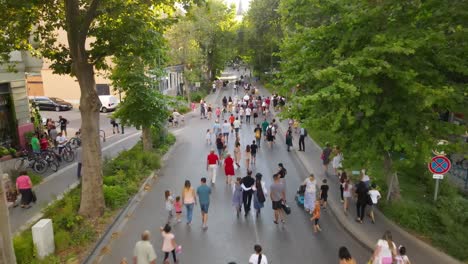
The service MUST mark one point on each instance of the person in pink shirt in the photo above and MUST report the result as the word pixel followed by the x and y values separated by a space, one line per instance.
pixel 24 186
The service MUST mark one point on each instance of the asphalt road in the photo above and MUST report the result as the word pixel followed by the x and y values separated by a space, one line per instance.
pixel 229 238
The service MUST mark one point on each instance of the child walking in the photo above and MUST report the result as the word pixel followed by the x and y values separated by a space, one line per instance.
pixel 324 194
pixel 316 217
pixel 402 258
pixel 178 209
pixel 208 137
pixel 169 202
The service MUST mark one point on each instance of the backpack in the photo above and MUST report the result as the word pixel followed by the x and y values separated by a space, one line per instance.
pixel 258 134
pixel 269 131
pixel 305 132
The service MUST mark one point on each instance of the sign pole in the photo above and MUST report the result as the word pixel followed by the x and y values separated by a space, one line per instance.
pixel 436 190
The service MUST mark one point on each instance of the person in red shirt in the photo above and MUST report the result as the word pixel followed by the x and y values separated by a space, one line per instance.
pixel 231 120
pixel 212 165
pixel 229 168
pixel 44 142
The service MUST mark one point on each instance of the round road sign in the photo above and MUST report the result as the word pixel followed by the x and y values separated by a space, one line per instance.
pixel 439 165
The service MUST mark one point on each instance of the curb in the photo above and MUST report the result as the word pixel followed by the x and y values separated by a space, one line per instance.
pixel 103 245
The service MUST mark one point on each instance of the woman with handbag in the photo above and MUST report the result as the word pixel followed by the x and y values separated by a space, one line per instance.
pixel 24 186
pixel 260 192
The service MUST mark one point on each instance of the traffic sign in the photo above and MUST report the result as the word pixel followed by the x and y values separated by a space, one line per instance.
pixel 439 165
pixel 438 176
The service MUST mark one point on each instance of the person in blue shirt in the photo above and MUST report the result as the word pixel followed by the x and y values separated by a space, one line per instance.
pixel 204 192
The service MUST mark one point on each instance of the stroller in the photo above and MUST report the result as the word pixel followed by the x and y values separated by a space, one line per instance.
pixel 300 196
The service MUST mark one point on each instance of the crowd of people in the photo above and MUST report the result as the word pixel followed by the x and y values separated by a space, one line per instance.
pixel 253 111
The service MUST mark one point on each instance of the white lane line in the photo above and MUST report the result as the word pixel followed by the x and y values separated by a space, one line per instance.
pixel 58 173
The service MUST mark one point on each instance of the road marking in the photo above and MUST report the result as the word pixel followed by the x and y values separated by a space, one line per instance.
pixel 55 174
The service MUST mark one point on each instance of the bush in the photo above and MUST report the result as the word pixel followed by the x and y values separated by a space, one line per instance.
pixel 24 247
pixel 115 196
pixel 62 240
pixel 198 95
pixel 3 151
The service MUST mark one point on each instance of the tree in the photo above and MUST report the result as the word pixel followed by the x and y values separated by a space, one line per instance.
pixel 95 30
pixel 375 75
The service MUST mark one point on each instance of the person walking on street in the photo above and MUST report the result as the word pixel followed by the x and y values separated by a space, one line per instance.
pixel 278 197
pixel 143 253
pixel 302 136
pixel 345 256
pixel 265 125
pixel 337 160
pixel 282 172
pixel 247 184
pixel 169 243
pixel 219 144
pixel 347 194
pixel 190 199
pixel 237 154
pixel 204 192
pixel 258 257
pixel 260 193
pixel 316 217
pixel 225 129
pixel 325 157
pixel 237 125
pixel 375 196
pixel 310 193
pixel 343 179
pixel 237 195
pixel 385 251
pixel 202 110
pixel 35 144
pixel 229 168
pixel 248 113
pixel 362 193
pixel 63 125
pixel 289 139
pixel 253 152
pixel 24 186
pixel 115 125
pixel 212 162
pixel 258 135
pixel 324 194
pixel 248 157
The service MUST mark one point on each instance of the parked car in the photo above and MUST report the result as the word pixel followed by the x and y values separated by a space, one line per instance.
pixel 50 103
pixel 108 103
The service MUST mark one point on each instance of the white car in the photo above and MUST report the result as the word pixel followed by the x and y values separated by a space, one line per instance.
pixel 108 103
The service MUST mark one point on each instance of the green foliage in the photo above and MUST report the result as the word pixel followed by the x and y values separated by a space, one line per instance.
pixel 3 151
pixel 24 247
pixel 62 240
pixel 198 95
pixel 12 152
pixel 115 196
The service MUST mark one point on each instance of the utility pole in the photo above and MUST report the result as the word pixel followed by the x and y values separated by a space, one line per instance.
pixel 7 253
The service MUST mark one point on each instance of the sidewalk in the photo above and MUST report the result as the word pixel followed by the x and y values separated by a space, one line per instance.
pixel 55 185
pixel 366 233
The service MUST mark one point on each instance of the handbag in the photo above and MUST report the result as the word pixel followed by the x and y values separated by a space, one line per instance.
pixel 286 208
pixel 369 200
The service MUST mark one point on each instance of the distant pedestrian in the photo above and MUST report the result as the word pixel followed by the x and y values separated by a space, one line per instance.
pixel 169 203
pixel 337 160
pixel 35 144
pixel 324 193
pixel 310 193
pixel 190 199
pixel 289 139
pixel 115 125
pixel 208 137
pixel 258 135
pixel 345 256
pixel 265 125
pixel 325 157
pixel 343 179
pixel 282 171
pixel 237 195
pixel 402 258
pixel 219 144
pixel 258 257
pixel 193 106
pixel 143 253
pixel 361 192
pixel 178 209
pixel 247 183
pixel 202 110
pixel 316 217
pixel 225 129
pixel 63 125
pixel 204 192
pixel 302 136
pixel 365 178
pixel 347 194
pixel 260 193
pixel 169 243
pixel 375 196
pixel 209 111
pixel 253 152
pixel 385 251
pixel 229 168
pixel 212 162
pixel 277 196
pixel 24 186
pixel 237 154
pixel 248 156
pixel 237 125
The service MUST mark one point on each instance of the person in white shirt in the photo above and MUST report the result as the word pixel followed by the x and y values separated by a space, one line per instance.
pixel 246 97
pixel 375 196
pixel 241 114
pixel 258 257
pixel 143 252
pixel 61 141
pixel 248 112
pixel 225 129
pixel 237 125
pixel 175 118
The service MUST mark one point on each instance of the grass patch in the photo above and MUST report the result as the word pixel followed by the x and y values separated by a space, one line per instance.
pixel 74 234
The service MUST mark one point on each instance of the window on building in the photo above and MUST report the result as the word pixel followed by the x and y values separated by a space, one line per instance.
pixel 103 89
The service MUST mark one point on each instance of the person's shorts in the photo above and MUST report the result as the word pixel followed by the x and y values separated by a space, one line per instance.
pixel 204 208
pixel 254 154
pixel 236 129
pixel 226 134
pixel 232 125
pixel 277 205
pixel 324 197
pixel 316 220
pixel 326 161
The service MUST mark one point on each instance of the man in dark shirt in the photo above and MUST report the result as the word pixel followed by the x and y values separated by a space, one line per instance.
pixel 247 183
pixel 63 125
pixel 282 171
pixel 326 158
pixel 253 151
pixel 324 193
pixel 362 192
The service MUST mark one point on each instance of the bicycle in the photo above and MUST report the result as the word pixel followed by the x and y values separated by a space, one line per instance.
pixel 68 154
pixel 52 160
pixel 75 142
pixel 33 161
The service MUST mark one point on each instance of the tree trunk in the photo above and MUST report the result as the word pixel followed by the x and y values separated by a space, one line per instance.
pixel 92 198
pixel 146 138
pixel 7 253
pixel 392 179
